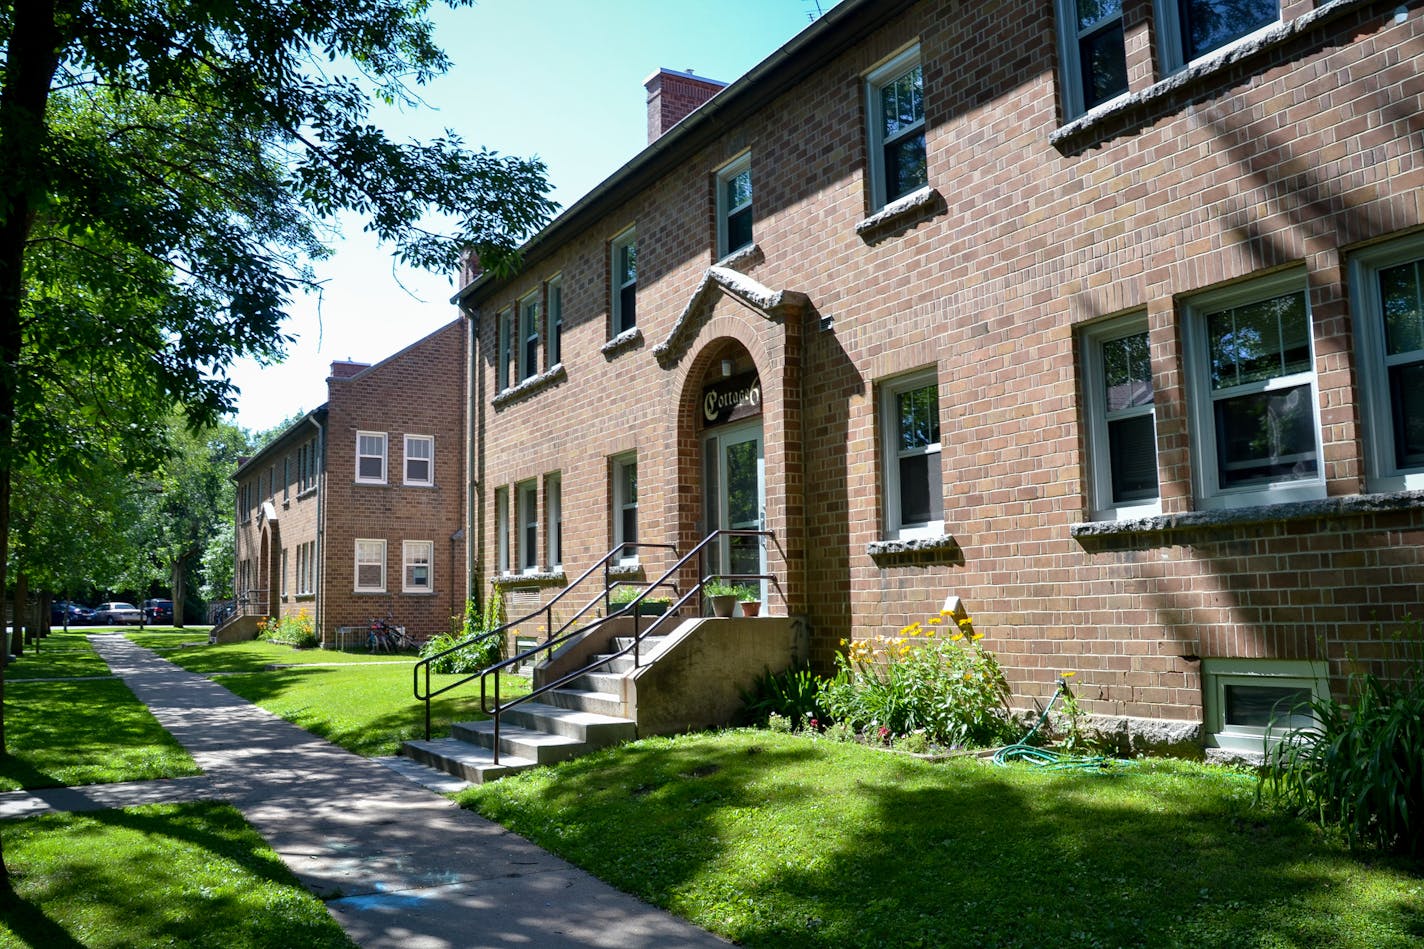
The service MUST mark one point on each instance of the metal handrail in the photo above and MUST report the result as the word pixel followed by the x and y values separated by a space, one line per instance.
pixel 549 632
pixel 498 709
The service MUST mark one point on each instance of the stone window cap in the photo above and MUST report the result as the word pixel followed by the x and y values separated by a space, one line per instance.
pixel 1262 514
pixel 938 543
pixel 624 340
pixel 719 279
pixel 533 384
pixel 542 578
pixel 901 212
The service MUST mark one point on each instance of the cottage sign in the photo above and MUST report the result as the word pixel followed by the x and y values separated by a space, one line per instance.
pixel 731 399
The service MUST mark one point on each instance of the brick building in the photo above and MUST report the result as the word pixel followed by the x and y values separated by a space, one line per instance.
pixel 1104 318
pixel 357 509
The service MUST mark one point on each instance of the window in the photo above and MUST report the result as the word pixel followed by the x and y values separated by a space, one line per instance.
pixel 417 556
pixel 306 568
pixel 734 206
pixel 556 320
pixel 554 502
pixel 244 500
pixel 526 497
pixel 1189 29
pixel 1092 53
pixel 528 337
pixel 306 467
pixel 897 129
pixel 1119 415
pixel 284 573
pixel 1388 284
pixel 914 495
pixel 420 459
pixel 370 566
pixel 625 281
pixel 1253 394
pixel 371 457
pixel 625 507
pixel 505 349
pixel 286 477
pixel 1248 704
pixel 501 530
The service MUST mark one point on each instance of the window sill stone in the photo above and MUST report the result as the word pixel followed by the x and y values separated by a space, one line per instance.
pixel 543 578
pixel 1264 514
pixel 940 548
pixel 897 216
pixel 528 387
pixel 628 339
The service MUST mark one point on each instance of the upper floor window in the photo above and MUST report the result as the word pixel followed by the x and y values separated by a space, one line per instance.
pixel 625 281
pixel 529 333
pixel 1388 287
pixel 371 457
pixel 286 477
pixel 625 507
pixel 504 349
pixel 734 206
pixel 1119 417
pixel 1252 375
pixel 1092 53
pixel 914 493
pixel 420 459
pixel 555 305
pixel 1189 29
pixel 897 128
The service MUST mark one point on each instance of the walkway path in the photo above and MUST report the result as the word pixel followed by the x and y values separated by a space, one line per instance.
pixel 399 865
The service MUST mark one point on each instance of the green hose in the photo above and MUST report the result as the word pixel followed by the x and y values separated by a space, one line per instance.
pixel 1021 750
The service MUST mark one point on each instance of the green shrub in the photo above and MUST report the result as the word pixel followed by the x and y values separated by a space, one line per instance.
pixel 296 631
pixel 946 686
pixel 479 653
pixel 1360 768
pixel 794 694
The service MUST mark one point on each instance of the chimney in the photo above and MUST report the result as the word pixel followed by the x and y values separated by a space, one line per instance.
pixel 345 368
pixel 672 96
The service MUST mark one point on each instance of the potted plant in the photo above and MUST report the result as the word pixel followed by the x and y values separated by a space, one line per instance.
pixel 750 597
pixel 647 606
pixel 721 596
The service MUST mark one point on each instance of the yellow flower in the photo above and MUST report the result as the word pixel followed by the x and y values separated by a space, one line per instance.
pixel 935 620
pixel 976 637
pixel 956 637
pixel 1067 675
pixel 946 612
pixel 965 623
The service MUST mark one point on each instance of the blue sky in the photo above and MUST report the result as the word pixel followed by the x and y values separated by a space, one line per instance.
pixel 561 79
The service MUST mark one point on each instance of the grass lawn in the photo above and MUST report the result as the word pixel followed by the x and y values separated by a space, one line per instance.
pixel 59 655
pixel 779 840
pixel 252 656
pixel 163 875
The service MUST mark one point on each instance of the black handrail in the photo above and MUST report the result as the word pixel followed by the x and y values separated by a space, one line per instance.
pixel 549 633
pixel 498 709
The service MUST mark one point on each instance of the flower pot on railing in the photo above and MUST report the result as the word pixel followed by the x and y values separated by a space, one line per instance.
pixel 653 607
pixel 722 604
pixel 751 607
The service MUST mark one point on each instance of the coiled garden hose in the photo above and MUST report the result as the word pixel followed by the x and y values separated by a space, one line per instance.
pixel 1021 750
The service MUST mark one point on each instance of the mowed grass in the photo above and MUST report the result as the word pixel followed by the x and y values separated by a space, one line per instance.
pixel 779 840
pixel 59 655
pixel 162 875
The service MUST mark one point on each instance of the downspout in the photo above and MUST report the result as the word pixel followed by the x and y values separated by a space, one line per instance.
pixel 473 456
pixel 319 574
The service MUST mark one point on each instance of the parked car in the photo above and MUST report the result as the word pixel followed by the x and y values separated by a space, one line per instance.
pixel 158 612
pixel 63 610
pixel 117 614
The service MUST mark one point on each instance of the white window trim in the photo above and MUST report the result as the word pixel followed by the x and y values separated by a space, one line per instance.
pixel 284 573
pixel 889 390
pixel 875 80
pixel 742 163
pixel 1099 462
pixel 620 504
pixel 1201 416
pixel 553 528
pixel 625 238
pixel 501 530
pixel 526 515
pixel 1171 48
pixel 409 551
pixel 429 460
pixel 1070 63
pixel 1217 674
pixel 385 451
pixel 1376 405
pixel 527 327
pixel 356 579
pixel 554 320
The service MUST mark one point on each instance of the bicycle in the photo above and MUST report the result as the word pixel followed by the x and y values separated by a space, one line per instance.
pixel 384 637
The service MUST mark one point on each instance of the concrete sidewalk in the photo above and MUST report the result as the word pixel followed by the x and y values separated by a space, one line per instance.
pixel 399 865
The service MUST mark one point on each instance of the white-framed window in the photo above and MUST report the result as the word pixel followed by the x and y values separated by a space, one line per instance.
pixel 306 467
pixel 501 530
pixel 286 477
pixel 1190 29
pixel 555 305
pixel 624 276
pixel 554 519
pixel 420 459
pixel 1249 704
pixel 529 333
pixel 1253 419
pixel 418 557
pixel 284 573
pixel 896 110
pixel 734 206
pixel 1120 419
pixel 370 566
pixel 504 350
pixel 1092 53
pixel 371 457
pixel 1387 284
pixel 914 492
pixel 526 499
pixel 306 568
pixel 244 500
pixel 625 507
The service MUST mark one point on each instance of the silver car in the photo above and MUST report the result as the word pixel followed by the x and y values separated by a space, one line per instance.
pixel 117 614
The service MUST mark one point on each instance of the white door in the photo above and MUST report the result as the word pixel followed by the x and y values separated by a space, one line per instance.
pixel 735 488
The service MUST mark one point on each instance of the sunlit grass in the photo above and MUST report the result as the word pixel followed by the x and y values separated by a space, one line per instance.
pixel 59 655
pixel 252 656
pixel 777 840
pixel 162 875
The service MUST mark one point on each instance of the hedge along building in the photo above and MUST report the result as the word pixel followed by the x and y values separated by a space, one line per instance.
pixel 1105 319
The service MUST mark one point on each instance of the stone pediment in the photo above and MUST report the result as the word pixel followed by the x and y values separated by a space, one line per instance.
pixel 774 305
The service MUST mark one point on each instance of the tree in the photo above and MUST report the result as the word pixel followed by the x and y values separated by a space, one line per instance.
pixel 183 158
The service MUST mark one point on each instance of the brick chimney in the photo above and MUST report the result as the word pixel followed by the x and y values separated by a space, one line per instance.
pixel 672 96
pixel 345 368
